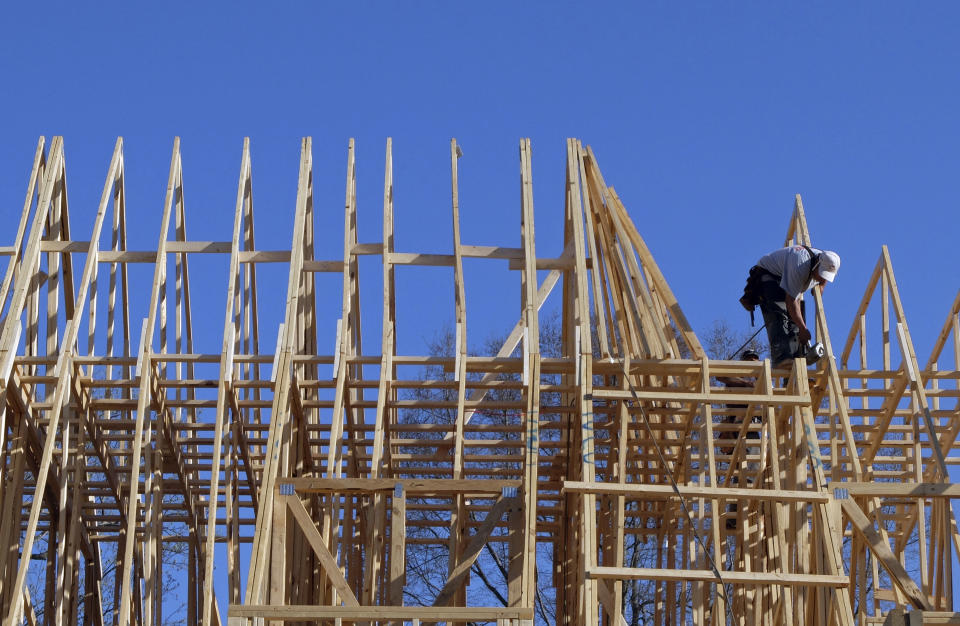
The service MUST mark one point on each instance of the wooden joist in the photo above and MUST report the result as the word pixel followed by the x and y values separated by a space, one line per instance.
pixel 569 469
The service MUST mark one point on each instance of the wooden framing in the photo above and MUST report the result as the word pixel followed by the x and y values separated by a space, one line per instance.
pixel 611 466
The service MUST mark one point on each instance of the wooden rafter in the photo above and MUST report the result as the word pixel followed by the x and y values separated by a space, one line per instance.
pixel 796 494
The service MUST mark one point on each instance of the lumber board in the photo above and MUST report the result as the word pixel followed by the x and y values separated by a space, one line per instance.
pixel 736 578
pixel 547 459
pixel 294 613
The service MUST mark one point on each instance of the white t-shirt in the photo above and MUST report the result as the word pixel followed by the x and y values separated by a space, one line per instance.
pixel 792 265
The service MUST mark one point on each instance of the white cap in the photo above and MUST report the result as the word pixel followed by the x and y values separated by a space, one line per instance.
pixel 828 266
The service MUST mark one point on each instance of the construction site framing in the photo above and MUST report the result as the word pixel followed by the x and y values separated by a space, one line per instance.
pixel 810 496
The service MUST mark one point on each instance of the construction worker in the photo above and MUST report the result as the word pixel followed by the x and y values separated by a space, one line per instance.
pixel 783 276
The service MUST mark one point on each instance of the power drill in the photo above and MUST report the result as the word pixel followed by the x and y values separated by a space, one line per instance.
pixel 814 352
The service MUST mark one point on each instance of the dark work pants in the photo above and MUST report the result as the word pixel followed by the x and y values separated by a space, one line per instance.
pixel 783 334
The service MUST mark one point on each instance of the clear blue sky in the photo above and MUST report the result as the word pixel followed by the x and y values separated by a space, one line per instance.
pixel 707 118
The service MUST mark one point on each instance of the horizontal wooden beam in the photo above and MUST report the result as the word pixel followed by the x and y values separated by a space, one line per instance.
pixel 929 618
pixel 901 490
pixel 736 578
pixel 670 395
pixel 411 486
pixel 636 491
pixel 299 613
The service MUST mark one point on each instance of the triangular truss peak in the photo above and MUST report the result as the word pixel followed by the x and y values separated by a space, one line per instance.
pixel 880 439
pixel 909 428
pixel 616 476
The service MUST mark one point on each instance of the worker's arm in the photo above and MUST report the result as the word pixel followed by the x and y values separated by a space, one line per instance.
pixel 793 310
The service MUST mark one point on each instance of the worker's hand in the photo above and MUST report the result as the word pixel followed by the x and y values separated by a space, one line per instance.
pixel 804 335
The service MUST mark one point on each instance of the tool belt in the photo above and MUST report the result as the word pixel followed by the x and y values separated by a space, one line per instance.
pixel 753 291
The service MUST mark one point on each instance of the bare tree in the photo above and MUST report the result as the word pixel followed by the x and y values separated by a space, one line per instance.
pixel 721 341
pixel 427 562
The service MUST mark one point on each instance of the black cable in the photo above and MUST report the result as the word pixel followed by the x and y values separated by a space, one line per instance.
pixel 676 490
pixel 734 353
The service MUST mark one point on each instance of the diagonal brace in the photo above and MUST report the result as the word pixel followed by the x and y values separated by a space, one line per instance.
pixel 500 506
pixel 319 547
pixel 882 551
